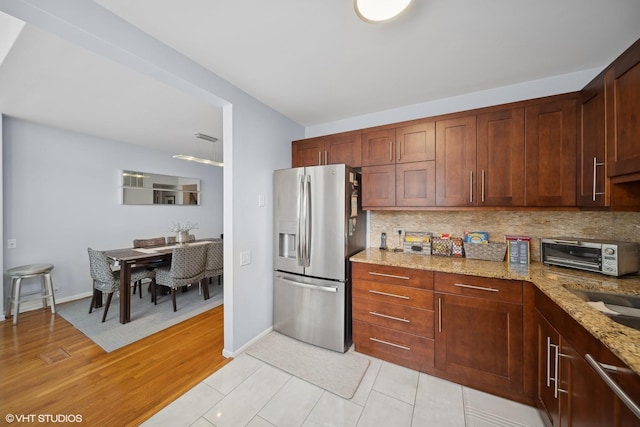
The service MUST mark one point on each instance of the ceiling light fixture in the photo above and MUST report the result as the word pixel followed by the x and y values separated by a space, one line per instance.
pixel 206 137
pixel 379 10
pixel 200 159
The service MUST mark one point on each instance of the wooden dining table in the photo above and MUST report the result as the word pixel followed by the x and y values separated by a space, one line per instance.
pixel 126 258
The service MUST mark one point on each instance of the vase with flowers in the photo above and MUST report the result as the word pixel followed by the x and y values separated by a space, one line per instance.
pixel 182 230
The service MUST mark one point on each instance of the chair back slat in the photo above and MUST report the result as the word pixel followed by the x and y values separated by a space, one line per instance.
pixel 145 243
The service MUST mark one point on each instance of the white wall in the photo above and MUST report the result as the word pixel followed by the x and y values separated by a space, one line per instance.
pixel 256 141
pixel 517 92
pixel 62 194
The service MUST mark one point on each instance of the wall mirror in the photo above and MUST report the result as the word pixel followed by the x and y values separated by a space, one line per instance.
pixel 143 188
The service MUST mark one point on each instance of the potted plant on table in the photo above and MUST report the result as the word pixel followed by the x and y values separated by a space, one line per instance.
pixel 182 230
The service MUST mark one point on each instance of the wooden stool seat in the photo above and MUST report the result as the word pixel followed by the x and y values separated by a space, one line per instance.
pixel 24 272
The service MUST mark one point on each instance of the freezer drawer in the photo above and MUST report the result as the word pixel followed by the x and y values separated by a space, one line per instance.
pixel 311 310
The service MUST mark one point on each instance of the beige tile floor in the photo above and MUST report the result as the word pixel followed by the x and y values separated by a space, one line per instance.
pixel 248 392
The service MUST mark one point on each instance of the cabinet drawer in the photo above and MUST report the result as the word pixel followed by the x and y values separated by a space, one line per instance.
pixel 393 275
pixel 394 316
pixel 407 350
pixel 479 287
pixel 394 294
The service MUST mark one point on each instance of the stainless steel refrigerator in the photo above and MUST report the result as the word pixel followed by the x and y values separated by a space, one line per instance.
pixel 318 225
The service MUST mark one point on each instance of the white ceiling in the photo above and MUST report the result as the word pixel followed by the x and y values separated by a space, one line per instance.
pixel 48 80
pixel 315 61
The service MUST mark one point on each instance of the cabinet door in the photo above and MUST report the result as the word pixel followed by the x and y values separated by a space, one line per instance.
pixel 416 143
pixel 456 161
pixel 479 342
pixel 585 397
pixel 629 383
pixel 548 340
pixel 344 148
pixel 591 146
pixel 378 186
pixel 378 147
pixel 551 154
pixel 500 163
pixel 623 111
pixel 307 152
pixel 416 184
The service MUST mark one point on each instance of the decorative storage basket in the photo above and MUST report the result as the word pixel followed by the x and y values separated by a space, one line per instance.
pixel 485 251
pixel 416 242
pixel 441 247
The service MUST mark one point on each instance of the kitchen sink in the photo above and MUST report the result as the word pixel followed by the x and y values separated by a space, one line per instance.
pixel 621 308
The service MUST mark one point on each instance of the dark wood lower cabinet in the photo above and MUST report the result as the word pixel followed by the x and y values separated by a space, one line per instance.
pixel 570 391
pixel 504 337
pixel 479 343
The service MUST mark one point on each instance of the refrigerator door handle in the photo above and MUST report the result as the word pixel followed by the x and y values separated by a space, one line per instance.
pixel 332 289
pixel 299 240
pixel 308 231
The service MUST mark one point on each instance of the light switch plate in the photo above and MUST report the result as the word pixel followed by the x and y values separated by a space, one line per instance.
pixel 12 244
pixel 245 257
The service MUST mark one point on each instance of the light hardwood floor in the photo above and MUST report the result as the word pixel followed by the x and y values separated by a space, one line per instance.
pixel 49 367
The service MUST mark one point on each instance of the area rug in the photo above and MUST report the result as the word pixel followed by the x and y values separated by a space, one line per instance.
pixel 146 318
pixel 335 372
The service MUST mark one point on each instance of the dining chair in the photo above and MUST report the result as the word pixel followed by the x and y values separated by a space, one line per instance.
pixel 148 243
pixel 187 267
pixel 107 281
pixel 215 264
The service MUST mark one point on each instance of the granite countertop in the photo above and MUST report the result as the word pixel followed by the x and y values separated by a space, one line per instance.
pixel 622 341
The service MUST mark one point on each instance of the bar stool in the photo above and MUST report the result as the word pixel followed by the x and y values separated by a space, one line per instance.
pixel 25 272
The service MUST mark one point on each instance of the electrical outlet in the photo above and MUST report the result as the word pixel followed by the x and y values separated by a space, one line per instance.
pixel 398 231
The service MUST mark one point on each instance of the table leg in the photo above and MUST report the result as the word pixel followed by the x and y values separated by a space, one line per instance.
pixel 125 292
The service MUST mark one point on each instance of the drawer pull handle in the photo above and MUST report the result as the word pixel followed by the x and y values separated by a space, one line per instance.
pixel 388 294
pixel 386 316
pixel 601 369
pixel 373 273
pixel 390 343
pixel 480 288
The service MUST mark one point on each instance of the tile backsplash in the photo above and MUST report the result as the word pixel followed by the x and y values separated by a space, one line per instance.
pixel 623 226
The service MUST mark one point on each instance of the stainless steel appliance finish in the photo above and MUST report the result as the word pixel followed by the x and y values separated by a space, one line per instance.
pixel 318 224
pixel 603 256
pixel 311 310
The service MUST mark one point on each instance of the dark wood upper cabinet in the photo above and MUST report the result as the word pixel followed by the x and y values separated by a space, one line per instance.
pixel 623 114
pixel 344 148
pixel 456 161
pixel 592 180
pixel 327 150
pixel 378 147
pixel 307 152
pixel 408 152
pixel 416 143
pixel 416 184
pixel 379 186
pixel 550 141
pixel 500 155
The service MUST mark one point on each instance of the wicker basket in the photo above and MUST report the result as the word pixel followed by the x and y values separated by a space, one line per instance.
pixel 417 243
pixel 441 247
pixel 485 251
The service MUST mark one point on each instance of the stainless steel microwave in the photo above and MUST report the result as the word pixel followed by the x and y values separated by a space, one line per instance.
pixel 602 256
